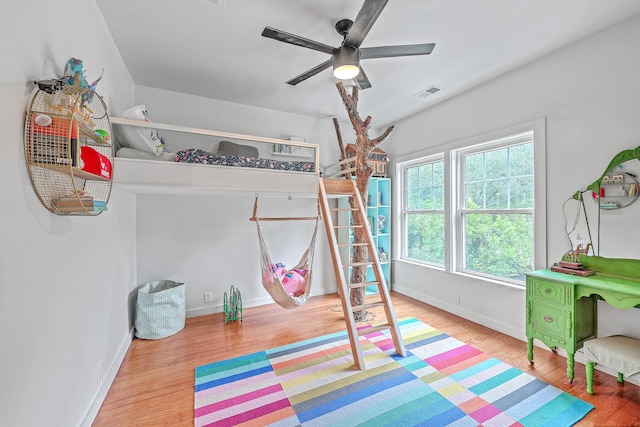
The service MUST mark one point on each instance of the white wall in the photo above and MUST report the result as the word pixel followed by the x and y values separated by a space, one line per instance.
pixel 208 242
pixel 195 111
pixel 589 94
pixel 67 284
pixel 64 282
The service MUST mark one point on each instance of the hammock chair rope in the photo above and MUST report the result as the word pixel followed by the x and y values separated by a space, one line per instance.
pixel 271 281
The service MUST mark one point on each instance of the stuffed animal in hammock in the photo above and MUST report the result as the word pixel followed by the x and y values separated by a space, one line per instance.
pixel 293 281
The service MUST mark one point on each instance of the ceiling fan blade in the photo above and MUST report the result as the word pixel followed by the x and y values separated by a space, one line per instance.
pixel 400 50
pixel 283 36
pixel 367 16
pixel 362 80
pixel 310 73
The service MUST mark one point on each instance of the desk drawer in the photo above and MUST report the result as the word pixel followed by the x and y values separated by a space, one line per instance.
pixel 550 320
pixel 549 291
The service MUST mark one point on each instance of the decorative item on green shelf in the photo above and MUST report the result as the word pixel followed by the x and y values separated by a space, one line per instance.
pixel 382 254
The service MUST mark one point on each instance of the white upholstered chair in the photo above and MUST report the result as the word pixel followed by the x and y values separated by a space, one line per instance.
pixel 617 352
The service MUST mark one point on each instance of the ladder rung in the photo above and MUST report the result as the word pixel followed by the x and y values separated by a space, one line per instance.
pixel 339 186
pixel 358 264
pixel 353 244
pixel 348 226
pixel 361 284
pixel 367 331
pixel 344 209
pixel 361 307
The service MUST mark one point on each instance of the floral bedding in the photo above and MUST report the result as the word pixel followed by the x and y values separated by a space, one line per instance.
pixel 193 155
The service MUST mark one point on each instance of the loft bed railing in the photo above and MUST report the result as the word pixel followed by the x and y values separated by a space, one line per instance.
pixel 342 169
pixel 169 177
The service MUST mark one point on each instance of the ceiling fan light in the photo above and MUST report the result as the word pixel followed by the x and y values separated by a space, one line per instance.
pixel 346 72
pixel 346 63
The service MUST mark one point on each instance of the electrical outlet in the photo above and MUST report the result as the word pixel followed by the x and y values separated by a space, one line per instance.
pixel 456 296
pixel 206 297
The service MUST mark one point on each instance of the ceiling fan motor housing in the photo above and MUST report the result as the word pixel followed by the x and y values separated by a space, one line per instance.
pixel 346 55
pixel 346 62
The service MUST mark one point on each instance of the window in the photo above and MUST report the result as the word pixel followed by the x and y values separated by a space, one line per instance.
pixel 424 212
pixel 477 206
pixel 495 209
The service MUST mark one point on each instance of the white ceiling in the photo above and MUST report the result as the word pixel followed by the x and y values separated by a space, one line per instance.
pixel 216 50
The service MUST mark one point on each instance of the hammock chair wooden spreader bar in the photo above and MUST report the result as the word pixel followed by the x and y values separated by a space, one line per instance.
pixel 295 218
pixel 272 281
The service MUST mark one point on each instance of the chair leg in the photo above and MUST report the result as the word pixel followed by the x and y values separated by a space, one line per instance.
pixel 620 377
pixel 589 374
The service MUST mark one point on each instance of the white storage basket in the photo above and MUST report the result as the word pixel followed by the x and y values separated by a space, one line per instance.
pixel 160 309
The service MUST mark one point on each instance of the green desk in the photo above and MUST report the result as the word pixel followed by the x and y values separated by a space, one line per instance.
pixel 562 310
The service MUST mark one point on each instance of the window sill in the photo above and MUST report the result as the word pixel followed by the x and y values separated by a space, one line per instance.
pixel 490 280
pixel 420 264
pixel 462 273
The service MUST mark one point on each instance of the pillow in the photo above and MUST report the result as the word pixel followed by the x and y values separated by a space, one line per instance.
pixel 132 153
pixel 144 139
pixel 227 148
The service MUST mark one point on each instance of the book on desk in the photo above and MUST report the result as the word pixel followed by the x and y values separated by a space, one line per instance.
pixel 574 268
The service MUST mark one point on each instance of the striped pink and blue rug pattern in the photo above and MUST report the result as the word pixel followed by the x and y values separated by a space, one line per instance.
pixel 442 381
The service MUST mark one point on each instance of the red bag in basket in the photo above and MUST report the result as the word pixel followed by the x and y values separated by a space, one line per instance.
pixel 95 163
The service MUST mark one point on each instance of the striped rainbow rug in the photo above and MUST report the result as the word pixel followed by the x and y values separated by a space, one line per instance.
pixel 441 381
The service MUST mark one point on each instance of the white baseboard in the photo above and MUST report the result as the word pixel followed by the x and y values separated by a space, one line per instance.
pixel 501 327
pixel 219 308
pixel 254 302
pixel 110 376
pixel 467 314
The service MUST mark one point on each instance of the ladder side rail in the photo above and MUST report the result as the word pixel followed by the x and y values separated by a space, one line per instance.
pixel 352 329
pixel 383 291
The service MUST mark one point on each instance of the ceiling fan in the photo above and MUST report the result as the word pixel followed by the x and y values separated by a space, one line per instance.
pixel 346 58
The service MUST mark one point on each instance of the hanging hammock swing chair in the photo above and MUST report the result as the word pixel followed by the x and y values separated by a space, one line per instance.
pixel 289 288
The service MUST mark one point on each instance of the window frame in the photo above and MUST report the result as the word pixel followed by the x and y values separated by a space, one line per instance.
pixel 452 182
pixel 405 212
pixel 460 211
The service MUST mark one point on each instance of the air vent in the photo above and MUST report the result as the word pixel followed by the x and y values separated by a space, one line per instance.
pixel 428 91
pixel 220 3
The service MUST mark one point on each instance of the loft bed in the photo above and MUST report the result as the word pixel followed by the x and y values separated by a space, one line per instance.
pixel 201 161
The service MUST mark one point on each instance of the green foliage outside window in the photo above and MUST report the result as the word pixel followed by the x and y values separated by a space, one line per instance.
pixel 500 179
pixel 499 244
pixel 425 220
pixel 494 243
pixel 425 237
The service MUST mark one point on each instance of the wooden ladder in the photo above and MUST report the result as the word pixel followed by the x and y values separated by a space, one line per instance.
pixel 347 188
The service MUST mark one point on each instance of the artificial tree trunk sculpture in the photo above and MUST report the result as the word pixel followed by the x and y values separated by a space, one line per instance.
pixel 363 172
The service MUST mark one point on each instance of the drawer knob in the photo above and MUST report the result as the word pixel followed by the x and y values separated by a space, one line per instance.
pixel 548 318
pixel 547 291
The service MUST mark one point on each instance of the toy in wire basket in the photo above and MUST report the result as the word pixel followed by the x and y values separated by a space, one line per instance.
pixel 232 305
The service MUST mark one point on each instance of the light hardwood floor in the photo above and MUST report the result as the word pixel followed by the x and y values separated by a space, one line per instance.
pixel 154 386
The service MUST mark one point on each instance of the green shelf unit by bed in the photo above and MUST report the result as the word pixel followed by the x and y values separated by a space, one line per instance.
pixel 379 213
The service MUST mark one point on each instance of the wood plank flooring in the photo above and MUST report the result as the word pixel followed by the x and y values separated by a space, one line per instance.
pixel 154 386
